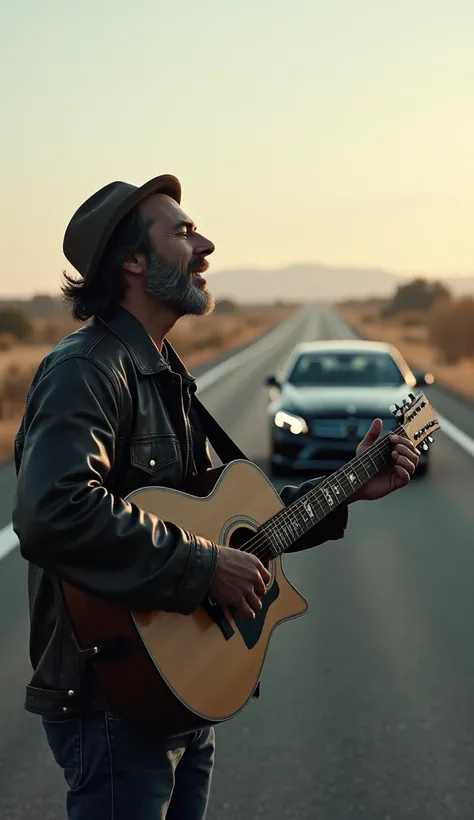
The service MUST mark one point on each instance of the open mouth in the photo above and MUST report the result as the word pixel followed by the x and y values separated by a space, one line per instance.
pixel 198 280
pixel 199 269
pixel 196 274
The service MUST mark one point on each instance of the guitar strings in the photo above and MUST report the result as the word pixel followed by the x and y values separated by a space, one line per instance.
pixel 258 541
pixel 258 544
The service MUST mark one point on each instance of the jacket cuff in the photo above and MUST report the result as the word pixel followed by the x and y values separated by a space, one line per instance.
pixel 332 527
pixel 337 521
pixel 291 493
pixel 198 575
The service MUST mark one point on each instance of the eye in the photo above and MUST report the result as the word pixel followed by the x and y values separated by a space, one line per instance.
pixel 182 233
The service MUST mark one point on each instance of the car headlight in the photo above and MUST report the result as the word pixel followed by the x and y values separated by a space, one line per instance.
pixel 295 424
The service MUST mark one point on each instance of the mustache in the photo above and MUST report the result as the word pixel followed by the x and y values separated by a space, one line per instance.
pixel 198 264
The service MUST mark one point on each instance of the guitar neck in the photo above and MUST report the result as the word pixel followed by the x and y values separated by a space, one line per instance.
pixel 283 529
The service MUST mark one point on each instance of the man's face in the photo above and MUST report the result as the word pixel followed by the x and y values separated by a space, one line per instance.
pixel 175 268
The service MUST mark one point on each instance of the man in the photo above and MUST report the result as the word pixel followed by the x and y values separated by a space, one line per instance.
pixel 109 410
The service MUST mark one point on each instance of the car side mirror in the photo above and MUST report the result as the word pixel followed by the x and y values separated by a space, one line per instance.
pixel 424 379
pixel 272 381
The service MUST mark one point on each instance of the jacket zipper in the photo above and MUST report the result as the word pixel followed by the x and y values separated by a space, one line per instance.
pixel 189 438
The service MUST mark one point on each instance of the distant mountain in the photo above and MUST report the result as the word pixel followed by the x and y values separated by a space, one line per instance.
pixel 303 282
pixel 315 282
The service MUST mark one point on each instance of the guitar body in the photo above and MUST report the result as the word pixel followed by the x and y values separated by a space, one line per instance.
pixel 179 673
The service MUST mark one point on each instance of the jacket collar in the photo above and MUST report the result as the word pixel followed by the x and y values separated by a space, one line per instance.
pixel 143 350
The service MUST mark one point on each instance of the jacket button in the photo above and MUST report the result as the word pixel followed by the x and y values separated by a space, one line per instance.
pixel 71 693
pixel 152 462
pixel 64 708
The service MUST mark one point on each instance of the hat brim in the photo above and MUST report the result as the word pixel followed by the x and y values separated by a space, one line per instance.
pixel 164 184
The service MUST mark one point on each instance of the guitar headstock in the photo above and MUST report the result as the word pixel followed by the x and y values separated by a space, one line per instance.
pixel 418 419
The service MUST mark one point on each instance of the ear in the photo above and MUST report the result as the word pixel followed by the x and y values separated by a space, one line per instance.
pixel 135 264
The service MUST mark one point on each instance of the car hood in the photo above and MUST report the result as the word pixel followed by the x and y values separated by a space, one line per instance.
pixel 348 401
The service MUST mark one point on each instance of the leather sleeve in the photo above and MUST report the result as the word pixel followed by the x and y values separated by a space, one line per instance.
pixel 331 528
pixel 68 522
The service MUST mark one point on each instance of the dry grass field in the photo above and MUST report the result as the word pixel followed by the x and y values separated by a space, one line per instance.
pixel 413 335
pixel 196 339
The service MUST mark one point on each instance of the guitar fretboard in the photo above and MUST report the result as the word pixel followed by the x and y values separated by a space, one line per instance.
pixel 287 526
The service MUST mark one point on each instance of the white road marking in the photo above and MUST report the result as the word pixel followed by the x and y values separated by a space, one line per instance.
pixel 455 434
pixel 8 541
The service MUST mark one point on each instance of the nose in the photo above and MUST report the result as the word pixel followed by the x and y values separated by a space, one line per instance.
pixel 203 246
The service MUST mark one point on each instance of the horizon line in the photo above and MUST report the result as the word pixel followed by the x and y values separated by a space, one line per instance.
pixel 290 265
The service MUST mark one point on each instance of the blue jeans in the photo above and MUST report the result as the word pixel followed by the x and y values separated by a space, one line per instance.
pixel 113 773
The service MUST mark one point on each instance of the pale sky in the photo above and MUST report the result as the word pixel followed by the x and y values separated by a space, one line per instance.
pixel 339 131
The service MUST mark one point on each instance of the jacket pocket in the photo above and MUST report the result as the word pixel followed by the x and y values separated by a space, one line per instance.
pixel 154 453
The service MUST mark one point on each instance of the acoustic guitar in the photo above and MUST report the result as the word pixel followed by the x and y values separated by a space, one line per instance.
pixel 171 674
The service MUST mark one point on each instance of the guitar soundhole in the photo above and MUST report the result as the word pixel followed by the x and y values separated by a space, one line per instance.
pixel 239 539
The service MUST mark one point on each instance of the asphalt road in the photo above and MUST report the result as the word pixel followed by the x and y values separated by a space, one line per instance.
pixel 367 709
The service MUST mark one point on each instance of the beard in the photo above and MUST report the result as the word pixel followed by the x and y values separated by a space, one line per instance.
pixel 169 284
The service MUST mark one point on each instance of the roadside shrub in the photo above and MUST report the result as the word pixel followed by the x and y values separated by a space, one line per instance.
pixel 52 332
pixel 417 295
pixel 370 317
pixel 7 341
pixel 15 322
pixel 451 329
pixel 412 318
pixel 14 385
pixel 225 306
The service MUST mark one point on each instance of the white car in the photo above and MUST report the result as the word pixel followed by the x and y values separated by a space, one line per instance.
pixel 327 395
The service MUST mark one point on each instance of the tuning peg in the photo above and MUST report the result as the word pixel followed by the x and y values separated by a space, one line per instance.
pixel 395 410
pixel 411 396
pixel 424 446
pixel 430 439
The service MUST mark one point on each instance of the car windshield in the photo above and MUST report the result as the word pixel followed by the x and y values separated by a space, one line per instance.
pixel 345 369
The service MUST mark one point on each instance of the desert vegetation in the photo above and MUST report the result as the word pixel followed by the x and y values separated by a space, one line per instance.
pixel 28 330
pixel 431 328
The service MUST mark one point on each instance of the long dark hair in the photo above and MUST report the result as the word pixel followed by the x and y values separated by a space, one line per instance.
pixel 103 294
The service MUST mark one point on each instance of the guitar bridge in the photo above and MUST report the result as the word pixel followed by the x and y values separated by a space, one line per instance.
pixel 216 612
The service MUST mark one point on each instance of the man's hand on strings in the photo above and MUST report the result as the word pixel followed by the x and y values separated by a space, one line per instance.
pixel 405 460
pixel 240 580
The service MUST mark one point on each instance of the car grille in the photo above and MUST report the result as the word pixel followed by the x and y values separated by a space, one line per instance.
pixel 289 449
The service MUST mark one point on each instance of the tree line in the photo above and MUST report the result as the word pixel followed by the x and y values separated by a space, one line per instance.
pixel 449 320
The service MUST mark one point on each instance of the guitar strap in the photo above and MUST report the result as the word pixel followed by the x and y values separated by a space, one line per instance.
pixel 225 447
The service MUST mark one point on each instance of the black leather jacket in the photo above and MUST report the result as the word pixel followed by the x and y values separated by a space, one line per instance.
pixel 105 414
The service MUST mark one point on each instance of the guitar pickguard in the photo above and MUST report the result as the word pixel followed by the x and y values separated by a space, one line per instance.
pixel 251 630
